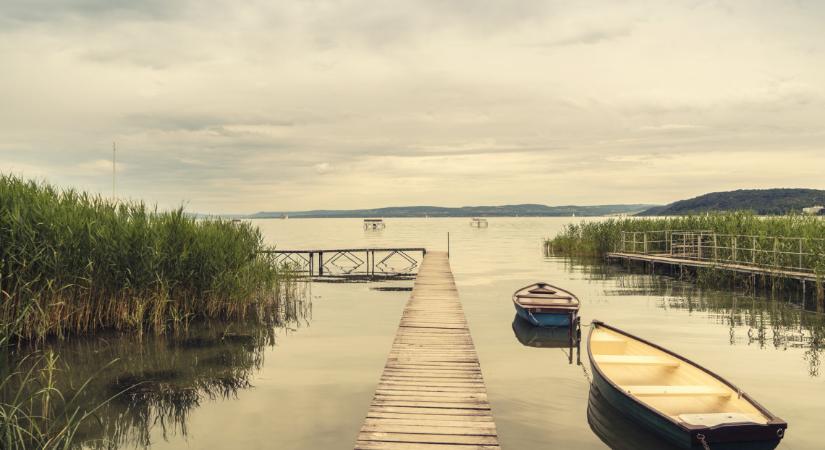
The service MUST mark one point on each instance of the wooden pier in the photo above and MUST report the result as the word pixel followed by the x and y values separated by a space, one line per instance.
pixel 769 256
pixel 667 260
pixel 431 394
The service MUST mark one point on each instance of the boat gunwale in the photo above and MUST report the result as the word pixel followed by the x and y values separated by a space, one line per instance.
pixel 773 420
pixel 560 309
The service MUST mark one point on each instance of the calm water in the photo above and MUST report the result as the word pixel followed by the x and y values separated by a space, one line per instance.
pixel 308 384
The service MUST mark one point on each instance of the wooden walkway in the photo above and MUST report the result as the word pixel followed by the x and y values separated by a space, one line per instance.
pixel 431 394
pixel 666 259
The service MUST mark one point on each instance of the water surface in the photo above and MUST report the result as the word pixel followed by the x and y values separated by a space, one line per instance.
pixel 307 384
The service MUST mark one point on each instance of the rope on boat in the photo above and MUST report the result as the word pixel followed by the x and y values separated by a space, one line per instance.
pixel 703 441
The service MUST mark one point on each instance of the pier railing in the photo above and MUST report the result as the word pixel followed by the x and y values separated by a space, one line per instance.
pixel 352 262
pixel 780 253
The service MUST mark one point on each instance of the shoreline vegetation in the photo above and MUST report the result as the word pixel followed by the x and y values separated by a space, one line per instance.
pixel 773 234
pixel 597 238
pixel 73 264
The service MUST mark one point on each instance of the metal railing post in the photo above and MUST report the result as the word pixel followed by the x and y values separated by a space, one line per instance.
pixel 753 250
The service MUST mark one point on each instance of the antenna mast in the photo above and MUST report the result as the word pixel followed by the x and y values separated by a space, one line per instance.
pixel 114 169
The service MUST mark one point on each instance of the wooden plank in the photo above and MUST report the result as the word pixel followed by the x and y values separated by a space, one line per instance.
pixel 431 393
pixel 427 438
pixel 378 445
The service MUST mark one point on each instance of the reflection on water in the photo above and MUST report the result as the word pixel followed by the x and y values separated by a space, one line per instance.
pixel 566 338
pixel 617 431
pixel 156 381
pixel 751 319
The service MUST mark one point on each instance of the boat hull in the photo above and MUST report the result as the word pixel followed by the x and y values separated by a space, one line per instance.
pixel 546 317
pixel 728 437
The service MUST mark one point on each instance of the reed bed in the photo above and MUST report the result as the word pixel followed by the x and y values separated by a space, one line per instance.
pixel 596 238
pixel 75 263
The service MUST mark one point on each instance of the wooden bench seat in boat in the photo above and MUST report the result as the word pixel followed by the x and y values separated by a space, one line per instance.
pixel 548 302
pixel 714 419
pixel 677 391
pixel 604 337
pixel 636 360
pixel 551 297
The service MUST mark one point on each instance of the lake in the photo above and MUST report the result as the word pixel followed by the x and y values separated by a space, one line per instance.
pixel 306 383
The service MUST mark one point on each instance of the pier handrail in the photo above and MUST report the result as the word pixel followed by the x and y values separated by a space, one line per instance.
pixel 779 253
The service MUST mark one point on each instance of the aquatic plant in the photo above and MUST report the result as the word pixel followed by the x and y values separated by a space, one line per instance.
pixel 73 262
pixel 771 236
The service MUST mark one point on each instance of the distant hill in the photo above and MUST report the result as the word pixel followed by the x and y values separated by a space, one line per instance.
pixel 760 201
pixel 532 210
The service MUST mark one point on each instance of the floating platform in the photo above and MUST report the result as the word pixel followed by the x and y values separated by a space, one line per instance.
pixel 431 394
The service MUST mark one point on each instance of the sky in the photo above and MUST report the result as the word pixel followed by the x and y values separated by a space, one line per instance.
pixel 241 106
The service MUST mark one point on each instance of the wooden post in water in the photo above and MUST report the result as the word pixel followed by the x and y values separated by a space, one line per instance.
pixel 820 296
pixel 320 264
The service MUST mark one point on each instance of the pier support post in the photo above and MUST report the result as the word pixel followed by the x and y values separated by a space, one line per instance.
pixel 820 296
pixel 320 264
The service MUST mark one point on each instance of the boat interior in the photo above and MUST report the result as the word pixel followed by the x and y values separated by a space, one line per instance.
pixel 545 296
pixel 677 389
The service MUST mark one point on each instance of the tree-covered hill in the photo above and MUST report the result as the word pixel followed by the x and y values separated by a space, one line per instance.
pixel 760 201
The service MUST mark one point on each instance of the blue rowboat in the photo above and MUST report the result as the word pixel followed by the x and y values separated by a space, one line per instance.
pixel 544 305
pixel 681 401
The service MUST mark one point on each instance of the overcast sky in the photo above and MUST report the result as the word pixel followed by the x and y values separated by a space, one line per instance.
pixel 241 106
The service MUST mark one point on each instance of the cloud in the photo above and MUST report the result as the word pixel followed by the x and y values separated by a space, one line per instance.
pixel 228 106
pixel 323 168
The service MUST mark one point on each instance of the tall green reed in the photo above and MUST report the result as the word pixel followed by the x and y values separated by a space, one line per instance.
pixel 71 262
pixel 595 238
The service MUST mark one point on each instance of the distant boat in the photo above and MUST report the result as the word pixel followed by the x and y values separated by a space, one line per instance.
pixel 236 220
pixel 478 222
pixel 545 305
pixel 374 224
pixel 284 216
pixel 680 400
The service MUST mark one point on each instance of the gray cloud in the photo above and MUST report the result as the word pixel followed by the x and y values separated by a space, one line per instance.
pixel 259 105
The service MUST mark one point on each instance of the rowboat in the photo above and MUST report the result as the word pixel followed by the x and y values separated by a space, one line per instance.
pixel 680 400
pixel 544 305
pixel 478 222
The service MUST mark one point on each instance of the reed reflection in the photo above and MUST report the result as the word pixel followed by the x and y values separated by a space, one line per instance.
pixel 766 319
pixel 157 381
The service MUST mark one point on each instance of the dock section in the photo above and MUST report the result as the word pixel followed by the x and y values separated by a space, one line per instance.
pixel 431 394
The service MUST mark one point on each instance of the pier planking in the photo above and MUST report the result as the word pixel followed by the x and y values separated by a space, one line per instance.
pixel 432 393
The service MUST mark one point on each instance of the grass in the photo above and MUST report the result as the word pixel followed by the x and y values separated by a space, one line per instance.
pixel 767 234
pixel 75 263
pixel 596 238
